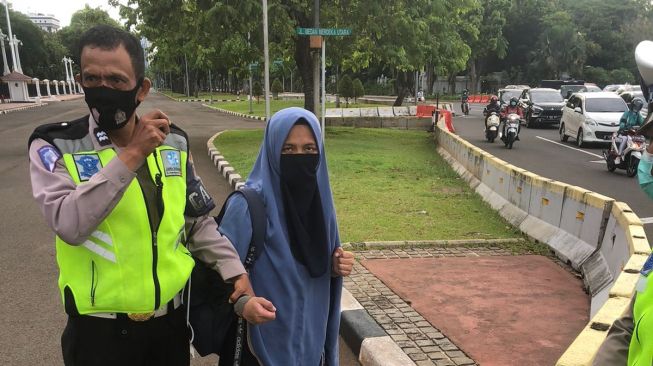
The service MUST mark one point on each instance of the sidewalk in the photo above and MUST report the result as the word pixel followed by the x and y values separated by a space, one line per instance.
pixel 468 306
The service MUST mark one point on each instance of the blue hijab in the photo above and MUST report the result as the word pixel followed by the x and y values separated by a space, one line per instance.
pixel 308 308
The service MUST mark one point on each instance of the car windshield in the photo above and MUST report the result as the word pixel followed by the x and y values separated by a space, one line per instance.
pixel 605 105
pixel 546 97
pixel 507 94
pixel 567 90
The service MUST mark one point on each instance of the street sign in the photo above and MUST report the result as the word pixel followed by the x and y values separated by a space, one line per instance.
pixel 323 31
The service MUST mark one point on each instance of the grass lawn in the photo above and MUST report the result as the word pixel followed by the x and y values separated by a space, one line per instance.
pixel 390 185
pixel 275 106
pixel 202 95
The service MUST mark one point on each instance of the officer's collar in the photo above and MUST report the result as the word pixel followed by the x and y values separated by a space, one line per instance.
pixel 100 138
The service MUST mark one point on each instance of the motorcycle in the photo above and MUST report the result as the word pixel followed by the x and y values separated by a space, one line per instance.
pixel 492 127
pixel 632 154
pixel 510 130
pixel 465 107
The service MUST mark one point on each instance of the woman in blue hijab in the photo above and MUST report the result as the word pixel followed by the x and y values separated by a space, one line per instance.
pixel 302 266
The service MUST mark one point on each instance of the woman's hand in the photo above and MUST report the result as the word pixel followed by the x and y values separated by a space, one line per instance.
pixel 343 262
pixel 258 310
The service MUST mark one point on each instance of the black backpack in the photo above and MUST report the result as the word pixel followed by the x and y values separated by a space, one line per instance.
pixel 211 314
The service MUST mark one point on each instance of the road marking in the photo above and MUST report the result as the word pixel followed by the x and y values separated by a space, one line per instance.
pixel 646 220
pixel 569 147
pixel 598 161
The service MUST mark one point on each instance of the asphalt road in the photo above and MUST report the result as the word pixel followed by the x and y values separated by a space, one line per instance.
pixel 540 151
pixel 32 318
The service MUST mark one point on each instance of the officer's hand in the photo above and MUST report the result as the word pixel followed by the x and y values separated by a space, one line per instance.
pixel 343 262
pixel 241 287
pixel 259 310
pixel 149 132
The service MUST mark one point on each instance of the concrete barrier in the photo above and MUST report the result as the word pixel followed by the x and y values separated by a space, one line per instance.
pixel 386 112
pixel 351 112
pixel 369 112
pixel 401 111
pixel 333 113
pixel 601 238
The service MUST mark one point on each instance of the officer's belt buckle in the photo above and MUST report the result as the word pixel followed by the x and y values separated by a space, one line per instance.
pixel 140 317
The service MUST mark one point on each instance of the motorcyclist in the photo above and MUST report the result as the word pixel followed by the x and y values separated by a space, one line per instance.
pixel 629 120
pixel 512 107
pixel 463 100
pixel 493 106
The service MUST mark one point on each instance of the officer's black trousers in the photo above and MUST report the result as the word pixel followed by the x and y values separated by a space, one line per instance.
pixel 92 341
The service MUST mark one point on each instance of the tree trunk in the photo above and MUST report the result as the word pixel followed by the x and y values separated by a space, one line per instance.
pixel 401 86
pixel 452 83
pixel 304 62
pixel 473 75
pixel 430 76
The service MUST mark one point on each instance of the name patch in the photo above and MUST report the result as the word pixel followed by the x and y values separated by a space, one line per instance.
pixel 87 165
pixel 171 162
pixel 49 156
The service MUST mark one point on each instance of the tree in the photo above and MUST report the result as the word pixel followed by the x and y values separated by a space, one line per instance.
pixel 597 75
pixel 622 75
pixel 257 91
pixel 81 21
pixel 33 55
pixel 357 89
pixel 276 88
pixel 346 88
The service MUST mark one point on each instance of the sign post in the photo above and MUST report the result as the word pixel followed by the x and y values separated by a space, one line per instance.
pixel 339 32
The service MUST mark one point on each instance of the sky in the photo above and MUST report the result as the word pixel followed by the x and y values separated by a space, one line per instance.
pixel 61 9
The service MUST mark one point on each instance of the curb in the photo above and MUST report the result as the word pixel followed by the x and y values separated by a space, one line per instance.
pixel 233 114
pixel 18 109
pixel 427 243
pixel 362 334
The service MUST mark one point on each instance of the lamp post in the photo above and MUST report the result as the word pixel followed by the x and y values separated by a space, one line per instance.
pixel 11 37
pixel 266 55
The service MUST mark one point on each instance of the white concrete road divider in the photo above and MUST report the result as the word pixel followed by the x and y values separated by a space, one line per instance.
pixel 386 112
pixel 599 237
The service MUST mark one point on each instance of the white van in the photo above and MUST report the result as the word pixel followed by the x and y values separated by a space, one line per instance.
pixel 591 117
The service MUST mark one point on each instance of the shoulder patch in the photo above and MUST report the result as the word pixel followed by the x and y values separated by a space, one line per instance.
pixel 101 137
pixel 171 162
pixel 87 165
pixel 49 156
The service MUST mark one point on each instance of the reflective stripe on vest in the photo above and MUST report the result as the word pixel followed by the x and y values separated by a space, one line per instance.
pixel 641 344
pixel 125 265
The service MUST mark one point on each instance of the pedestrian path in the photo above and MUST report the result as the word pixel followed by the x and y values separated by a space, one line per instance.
pixel 467 306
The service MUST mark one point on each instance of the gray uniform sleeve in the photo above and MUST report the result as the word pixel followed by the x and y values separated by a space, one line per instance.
pixel 614 350
pixel 73 211
pixel 205 241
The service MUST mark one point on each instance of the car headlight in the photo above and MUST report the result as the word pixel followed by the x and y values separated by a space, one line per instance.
pixel 537 110
pixel 591 122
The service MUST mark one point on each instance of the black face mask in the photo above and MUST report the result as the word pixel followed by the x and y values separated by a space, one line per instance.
pixel 111 108
pixel 303 207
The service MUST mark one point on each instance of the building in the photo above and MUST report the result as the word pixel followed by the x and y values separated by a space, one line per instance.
pixel 46 22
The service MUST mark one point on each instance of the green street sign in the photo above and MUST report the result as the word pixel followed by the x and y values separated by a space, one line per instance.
pixel 323 31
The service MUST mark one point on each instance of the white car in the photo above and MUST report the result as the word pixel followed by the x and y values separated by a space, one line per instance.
pixel 591 117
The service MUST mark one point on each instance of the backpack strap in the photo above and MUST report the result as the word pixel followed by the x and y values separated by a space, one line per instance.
pixel 257 217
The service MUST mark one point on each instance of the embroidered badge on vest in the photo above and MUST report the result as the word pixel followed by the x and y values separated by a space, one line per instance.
pixel 87 165
pixel 49 156
pixel 102 137
pixel 171 162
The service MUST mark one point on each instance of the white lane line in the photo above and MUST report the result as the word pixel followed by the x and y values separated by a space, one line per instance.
pixel 569 147
pixel 598 161
pixel 646 220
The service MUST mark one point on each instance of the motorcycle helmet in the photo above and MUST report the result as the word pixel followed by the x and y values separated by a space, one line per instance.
pixel 513 101
pixel 494 99
pixel 637 104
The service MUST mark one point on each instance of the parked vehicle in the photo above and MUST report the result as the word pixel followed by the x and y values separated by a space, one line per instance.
pixel 510 131
pixel 612 87
pixel 632 154
pixel 542 106
pixel 591 117
pixel 492 127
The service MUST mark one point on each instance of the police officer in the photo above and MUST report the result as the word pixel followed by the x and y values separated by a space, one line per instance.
pixel 630 338
pixel 120 192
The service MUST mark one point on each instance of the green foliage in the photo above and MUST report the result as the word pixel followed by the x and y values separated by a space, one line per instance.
pixel 346 88
pixel 257 91
pixel 276 88
pixel 597 75
pixel 621 76
pixel 80 22
pixel 33 54
pixel 357 89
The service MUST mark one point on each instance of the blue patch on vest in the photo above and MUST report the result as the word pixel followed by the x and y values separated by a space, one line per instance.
pixel 648 266
pixel 171 162
pixel 49 156
pixel 87 165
